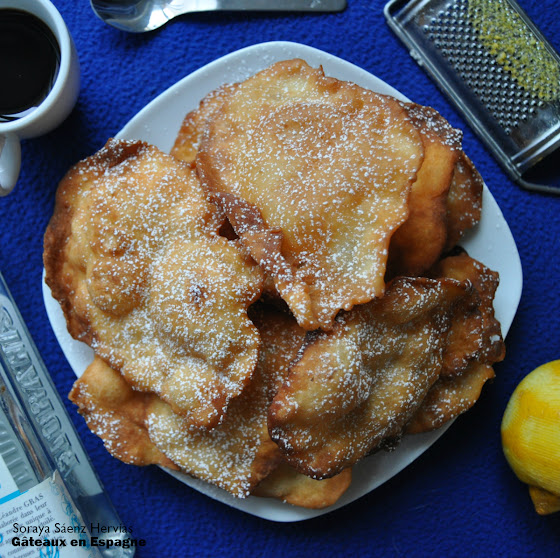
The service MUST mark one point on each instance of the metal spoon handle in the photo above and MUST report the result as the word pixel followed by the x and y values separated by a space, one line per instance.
pixel 268 5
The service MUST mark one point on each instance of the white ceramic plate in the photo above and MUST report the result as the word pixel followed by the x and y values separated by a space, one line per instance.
pixel 490 242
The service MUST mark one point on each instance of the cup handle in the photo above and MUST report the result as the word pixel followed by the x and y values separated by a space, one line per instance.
pixel 10 162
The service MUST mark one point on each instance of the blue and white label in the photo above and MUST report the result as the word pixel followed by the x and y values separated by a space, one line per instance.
pixel 8 487
pixel 42 522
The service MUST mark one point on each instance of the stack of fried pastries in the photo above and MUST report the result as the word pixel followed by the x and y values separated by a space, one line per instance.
pixel 280 296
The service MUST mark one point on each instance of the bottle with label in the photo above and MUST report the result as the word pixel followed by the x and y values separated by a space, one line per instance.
pixel 50 496
pixel 36 510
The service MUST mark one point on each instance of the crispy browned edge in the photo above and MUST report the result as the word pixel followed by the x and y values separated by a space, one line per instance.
pixel 59 229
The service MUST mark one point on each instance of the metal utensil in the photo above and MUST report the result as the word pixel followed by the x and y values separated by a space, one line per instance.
pixel 499 71
pixel 138 16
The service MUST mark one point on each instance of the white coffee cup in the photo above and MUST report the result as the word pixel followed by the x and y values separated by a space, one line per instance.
pixel 54 108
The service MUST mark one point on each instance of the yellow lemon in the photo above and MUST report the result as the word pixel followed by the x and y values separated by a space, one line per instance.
pixel 531 435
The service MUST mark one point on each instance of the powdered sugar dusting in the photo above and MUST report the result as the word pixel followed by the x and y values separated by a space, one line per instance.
pixel 326 163
pixel 164 297
pixel 359 385
pixel 238 453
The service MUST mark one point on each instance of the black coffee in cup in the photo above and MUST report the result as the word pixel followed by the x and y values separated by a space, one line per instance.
pixel 29 62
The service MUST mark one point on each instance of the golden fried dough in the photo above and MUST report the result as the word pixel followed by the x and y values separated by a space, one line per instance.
pixel 360 383
pixel 464 202
pixel 238 453
pixel 133 256
pixel 331 201
pixel 117 414
pixel 475 343
pixel 143 429
pixel 235 455
pixel 188 138
pixel 448 398
pixel 286 484
pixel 490 347
pixel 419 241
pixel 314 174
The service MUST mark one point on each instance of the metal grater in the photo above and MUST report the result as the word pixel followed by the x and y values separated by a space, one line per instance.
pixel 499 71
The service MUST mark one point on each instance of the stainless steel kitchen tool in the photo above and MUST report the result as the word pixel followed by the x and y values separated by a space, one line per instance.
pixel 499 71
pixel 138 16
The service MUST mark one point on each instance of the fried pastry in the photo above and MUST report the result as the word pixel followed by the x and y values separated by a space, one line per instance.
pixel 133 256
pixel 314 174
pixel 235 455
pixel 142 429
pixel 419 241
pixel 464 202
pixel 448 398
pixel 469 344
pixel 315 191
pixel 474 345
pixel 117 414
pixel 286 484
pixel 360 383
pixel 192 128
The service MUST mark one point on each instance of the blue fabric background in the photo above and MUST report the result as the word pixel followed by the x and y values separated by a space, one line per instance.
pixel 458 499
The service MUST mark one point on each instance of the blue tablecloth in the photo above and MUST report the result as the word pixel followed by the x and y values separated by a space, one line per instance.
pixel 458 499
